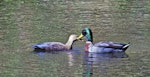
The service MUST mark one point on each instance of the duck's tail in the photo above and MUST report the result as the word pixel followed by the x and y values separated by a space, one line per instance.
pixel 39 45
pixel 35 46
pixel 126 46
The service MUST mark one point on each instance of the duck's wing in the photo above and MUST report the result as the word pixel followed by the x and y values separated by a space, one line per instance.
pixel 40 45
pixel 112 45
pixel 49 46
pixel 57 46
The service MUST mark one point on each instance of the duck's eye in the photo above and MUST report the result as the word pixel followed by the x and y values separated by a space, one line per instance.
pixel 84 32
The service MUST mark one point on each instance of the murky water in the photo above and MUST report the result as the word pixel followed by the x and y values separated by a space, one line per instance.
pixel 23 23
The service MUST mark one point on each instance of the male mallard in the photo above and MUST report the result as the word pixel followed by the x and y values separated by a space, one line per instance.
pixel 56 46
pixel 101 47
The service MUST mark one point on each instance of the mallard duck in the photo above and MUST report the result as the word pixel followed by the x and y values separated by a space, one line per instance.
pixel 56 46
pixel 101 47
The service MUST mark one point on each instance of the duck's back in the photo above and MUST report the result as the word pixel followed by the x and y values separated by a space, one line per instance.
pixel 110 44
pixel 50 46
pixel 106 47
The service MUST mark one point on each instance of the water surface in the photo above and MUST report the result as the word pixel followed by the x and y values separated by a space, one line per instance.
pixel 23 23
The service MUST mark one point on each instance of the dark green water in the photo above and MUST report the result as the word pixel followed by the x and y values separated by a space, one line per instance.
pixel 23 23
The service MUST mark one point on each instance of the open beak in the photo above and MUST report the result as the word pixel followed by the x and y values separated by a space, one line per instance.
pixel 79 37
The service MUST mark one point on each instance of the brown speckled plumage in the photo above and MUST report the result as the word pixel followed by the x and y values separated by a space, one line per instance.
pixel 56 46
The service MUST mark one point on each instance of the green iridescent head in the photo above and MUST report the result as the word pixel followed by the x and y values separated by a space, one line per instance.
pixel 87 33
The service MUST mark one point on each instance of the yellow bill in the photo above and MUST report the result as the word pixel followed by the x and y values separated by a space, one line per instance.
pixel 79 37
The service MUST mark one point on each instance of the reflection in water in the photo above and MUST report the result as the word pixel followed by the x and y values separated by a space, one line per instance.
pixel 93 60
pixel 87 66
pixel 41 53
pixel 108 55
pixel 70 58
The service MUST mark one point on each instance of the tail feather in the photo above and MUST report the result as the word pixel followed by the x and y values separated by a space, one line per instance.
pixel 126 46
pixel 39 45
pixel 34 46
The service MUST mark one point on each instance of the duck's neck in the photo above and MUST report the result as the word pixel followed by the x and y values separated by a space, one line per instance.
pixel 89 38
pixel 89 35
pixel 89 41
pixel 87 45
pixel 69 44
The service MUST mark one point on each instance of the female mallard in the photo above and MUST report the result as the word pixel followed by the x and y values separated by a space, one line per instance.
pixel 101 47
pixel 56 46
